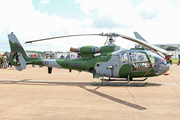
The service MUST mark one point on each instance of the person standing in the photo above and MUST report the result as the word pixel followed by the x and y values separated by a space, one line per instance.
pixel 7 60
pixel 179 60
pixel 0 61
pixel 4 61
pixel 33 56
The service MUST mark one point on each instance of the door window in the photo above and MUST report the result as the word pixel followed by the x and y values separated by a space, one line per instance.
pixel 138 61
pixel 123 58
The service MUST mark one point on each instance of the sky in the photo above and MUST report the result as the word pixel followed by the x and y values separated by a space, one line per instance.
pixel 158 21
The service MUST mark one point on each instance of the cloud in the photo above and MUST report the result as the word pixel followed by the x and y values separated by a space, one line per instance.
pixel 88 5
pixel 159 21
pixel 45 2
pixel 150 9
pixel 155 22
pixel 21 18
pixel 87 22
pixel 107 23
pixel 117 13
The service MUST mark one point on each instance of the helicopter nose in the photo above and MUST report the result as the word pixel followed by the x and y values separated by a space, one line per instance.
pixel 166 68
pixel 161 69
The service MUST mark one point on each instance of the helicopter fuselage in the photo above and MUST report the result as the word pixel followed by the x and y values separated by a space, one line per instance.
pixel 111 61
pixel 117 64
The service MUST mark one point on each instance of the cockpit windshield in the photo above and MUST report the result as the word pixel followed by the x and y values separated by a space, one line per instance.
pixel 156 59
pixel 160 65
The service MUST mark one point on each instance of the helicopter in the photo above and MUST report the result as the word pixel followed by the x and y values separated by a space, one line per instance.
pixel 109 60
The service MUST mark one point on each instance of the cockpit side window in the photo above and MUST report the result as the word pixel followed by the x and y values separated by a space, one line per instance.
pixel 137 57
pixel 139 61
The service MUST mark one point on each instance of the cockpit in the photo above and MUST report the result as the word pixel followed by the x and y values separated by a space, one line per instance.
pixel 142 61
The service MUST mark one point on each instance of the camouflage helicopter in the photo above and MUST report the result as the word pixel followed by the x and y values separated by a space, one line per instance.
pixel 106 61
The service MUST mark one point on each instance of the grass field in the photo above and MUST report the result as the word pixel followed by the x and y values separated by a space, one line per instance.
pixel 174 60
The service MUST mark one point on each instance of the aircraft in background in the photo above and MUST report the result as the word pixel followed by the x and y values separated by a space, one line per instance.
pixel 169 47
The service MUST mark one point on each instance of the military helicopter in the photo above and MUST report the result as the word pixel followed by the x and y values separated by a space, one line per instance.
pixel 106 61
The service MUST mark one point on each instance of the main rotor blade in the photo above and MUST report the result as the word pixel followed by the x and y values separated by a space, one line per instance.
pixel 61 37
pixel 146 44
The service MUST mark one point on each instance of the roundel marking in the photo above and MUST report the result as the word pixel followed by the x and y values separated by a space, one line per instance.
pixel 75 65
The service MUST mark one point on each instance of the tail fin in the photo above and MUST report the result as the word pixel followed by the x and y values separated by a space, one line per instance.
pixel 138 36
pixel 18 56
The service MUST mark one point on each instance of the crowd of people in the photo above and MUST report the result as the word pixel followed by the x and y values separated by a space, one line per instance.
pixel 52 56
pixel 43 56
pixel 70 56
pixel 4 62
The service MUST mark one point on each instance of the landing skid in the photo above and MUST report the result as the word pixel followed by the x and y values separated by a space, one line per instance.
pixel 123 79
pixel 120 84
